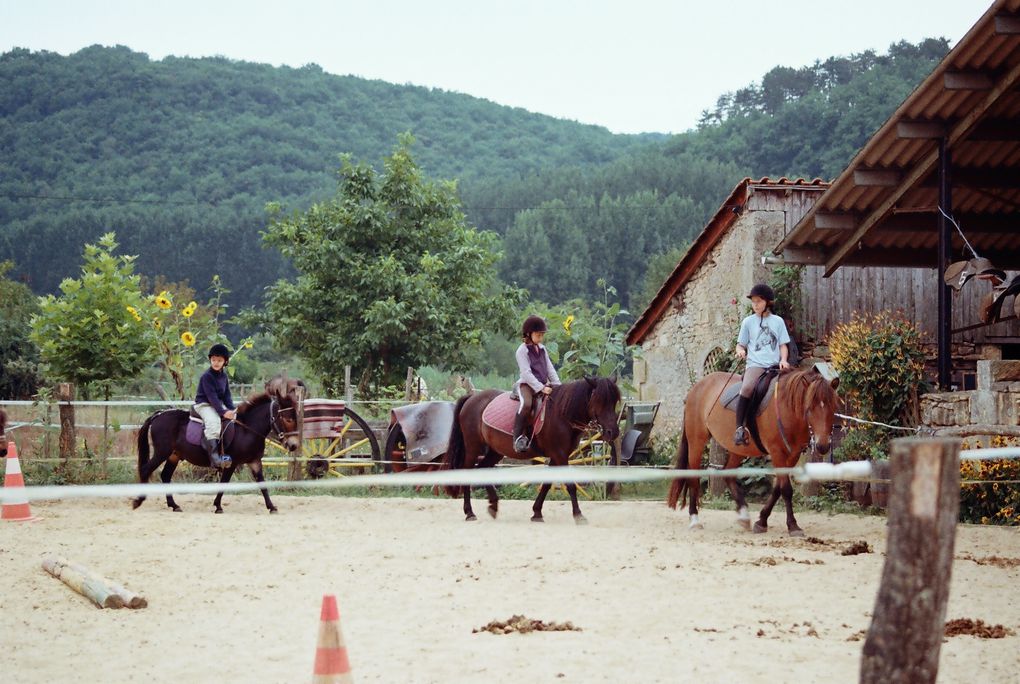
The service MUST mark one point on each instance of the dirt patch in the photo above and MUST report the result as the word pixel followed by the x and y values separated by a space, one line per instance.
pixel 775 560
pixel 856 548
pixel 997 561
pixel 523 625
pixel 968 627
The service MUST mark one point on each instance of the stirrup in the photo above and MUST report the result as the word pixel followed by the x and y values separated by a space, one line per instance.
pixel 740 436
pixel 521 444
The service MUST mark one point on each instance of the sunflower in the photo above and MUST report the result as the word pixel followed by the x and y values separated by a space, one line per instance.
pixel 134 312
pixel 189 310
pixel 187 338
pixel 157 324
pixel 248 345
pixel 163 300
pixel 567 322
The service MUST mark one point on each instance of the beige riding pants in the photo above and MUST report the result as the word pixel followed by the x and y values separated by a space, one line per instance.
pixel 751 376
pixel 211 421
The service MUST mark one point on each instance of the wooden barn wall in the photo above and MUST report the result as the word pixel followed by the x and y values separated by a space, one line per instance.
pixel 829 301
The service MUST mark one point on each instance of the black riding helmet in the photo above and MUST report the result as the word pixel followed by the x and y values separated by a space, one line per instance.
pixel 533 324
pixel 764 291
pixel 219 350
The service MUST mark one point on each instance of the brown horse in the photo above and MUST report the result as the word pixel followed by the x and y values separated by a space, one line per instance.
pixel 804 404
pixel 266 415
pixel 573 407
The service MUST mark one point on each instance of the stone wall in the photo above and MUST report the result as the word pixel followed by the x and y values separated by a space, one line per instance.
pixel 704 316
pixel 992 408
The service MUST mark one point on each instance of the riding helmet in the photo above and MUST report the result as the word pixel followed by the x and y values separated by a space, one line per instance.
pixel 219 350
pixel 764 291
pixel 533 324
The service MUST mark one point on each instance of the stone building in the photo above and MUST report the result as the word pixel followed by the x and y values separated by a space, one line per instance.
pixel 693 319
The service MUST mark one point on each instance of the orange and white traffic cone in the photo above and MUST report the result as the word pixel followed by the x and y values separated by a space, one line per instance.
pixel 331 663
pixel 15 508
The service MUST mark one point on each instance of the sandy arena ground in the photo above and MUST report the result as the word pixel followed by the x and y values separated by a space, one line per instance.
pixel 236 597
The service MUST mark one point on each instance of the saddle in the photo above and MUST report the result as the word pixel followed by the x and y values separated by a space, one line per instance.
pixel 763 392
pixel 196 429
pixel 499 414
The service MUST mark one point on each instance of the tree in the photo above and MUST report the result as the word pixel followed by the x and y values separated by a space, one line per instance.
pixel 94 333
pixel 389 276
pixel 19 357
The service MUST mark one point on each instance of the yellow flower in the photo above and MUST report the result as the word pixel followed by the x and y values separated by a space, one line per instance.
pixel 134 312
pixel 567 322
pixel 249 345
pixel 163 300
pixel 189 310
pixel 156 324
pixel 188 339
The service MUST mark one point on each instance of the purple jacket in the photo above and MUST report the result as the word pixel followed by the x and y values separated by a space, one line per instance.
pixel 528 376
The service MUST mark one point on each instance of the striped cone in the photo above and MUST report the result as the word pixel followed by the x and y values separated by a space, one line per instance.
pixel 15 509
pixel 331 663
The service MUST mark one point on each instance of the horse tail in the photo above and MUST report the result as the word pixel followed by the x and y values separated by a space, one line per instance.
pixel 454 458
pixel 678 490
pixel 143 443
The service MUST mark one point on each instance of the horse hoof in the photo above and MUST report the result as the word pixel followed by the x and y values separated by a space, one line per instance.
pixel 580 520
pixel 471 518
pixel 177 509
pixel 273 510
pixel 760 529
pixel 537 518
pixel 136 503
pixel 493 512
pixel 746 524
pixel 218 511
pixel 796 532
pixel 696 526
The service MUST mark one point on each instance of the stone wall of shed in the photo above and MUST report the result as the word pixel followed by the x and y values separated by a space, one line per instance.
pixel 703 317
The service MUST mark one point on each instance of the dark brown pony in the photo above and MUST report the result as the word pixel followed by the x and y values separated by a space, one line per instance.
pixel 267 415
pixel 573 407
pixel 804 405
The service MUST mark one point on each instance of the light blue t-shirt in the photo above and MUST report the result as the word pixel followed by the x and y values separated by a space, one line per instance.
pixel 762 337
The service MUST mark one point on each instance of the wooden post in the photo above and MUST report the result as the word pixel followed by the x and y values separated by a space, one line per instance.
pixel 717 457
pixel 910 610
pixel 65 392
pixel 295 459
pixel 348 390
pixel 408 383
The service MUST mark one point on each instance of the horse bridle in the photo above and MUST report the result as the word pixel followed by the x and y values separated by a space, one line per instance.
pixel 274 413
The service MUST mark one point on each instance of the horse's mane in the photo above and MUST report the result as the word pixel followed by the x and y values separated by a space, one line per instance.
pixel 252 401
pixel 571 399
pixel 812 385
pixel 3 421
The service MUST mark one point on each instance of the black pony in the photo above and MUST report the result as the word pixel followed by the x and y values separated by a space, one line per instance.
pixel 3 437
pixel 572 408
pixel 268 415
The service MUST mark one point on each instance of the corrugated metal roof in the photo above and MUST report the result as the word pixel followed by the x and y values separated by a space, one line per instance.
pixel 709 237
pixel 884 208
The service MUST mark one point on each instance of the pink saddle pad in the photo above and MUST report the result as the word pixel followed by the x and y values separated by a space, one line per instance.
pixel 500 413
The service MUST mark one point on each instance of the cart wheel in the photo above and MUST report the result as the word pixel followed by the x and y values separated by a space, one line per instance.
pixel 354 447
pixel 395 453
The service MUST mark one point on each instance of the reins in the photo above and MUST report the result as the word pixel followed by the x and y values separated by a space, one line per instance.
pixel 274 411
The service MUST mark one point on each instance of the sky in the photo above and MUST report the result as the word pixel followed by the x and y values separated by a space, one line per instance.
pixel 631 65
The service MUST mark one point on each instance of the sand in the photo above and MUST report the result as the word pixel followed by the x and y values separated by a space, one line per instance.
pixel 236 597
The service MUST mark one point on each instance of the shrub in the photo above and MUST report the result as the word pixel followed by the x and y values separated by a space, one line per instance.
pixel 880 363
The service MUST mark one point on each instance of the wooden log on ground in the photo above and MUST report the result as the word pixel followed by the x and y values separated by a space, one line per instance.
pixel 98 589
pixel 908 622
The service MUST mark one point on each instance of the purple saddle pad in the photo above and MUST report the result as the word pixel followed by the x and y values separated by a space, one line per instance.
pixel 193 433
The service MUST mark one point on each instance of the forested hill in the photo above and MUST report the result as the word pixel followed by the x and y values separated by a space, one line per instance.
pixel 194 148
pixel 566 228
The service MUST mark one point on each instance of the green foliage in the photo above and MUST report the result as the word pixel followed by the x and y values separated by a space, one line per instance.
pixel 390 276
pixel 20 376
pixel 585 340
pixel 988 490
pixel 863 443
pixel 93 332
pixel 880 362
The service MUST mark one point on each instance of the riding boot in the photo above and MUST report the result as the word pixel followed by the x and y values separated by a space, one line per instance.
pixel 521 441
pixel 212 447
pixel 740 436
